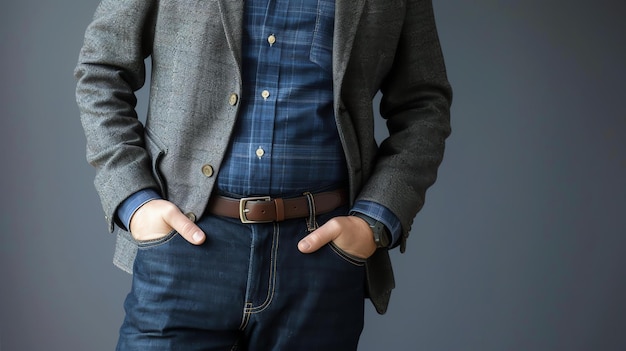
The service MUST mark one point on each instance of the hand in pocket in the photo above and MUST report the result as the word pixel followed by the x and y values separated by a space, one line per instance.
pixel 157 218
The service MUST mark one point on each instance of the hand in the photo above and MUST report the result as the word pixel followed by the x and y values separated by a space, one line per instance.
pixel 351 234
pixel 156 218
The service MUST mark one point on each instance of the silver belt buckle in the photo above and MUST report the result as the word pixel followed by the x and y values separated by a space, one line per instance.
pixel 243 210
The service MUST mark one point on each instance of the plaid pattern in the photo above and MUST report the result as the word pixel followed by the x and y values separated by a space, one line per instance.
pixel 286 138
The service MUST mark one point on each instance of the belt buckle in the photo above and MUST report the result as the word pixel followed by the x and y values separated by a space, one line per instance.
pixel 243 210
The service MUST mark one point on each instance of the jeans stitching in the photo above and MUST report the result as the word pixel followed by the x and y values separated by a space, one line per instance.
pixel 147 244
pixel 359 262
pixel 246 316
pixel 272 275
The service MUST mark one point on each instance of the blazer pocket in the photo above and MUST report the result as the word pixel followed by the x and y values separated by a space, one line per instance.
pixel 157 150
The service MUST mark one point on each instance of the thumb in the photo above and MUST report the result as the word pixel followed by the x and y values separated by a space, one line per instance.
pixel 318 238
pixel 185 227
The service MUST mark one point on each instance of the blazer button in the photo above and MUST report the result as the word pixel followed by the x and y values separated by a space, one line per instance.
pixel 191 216
pixel 207 170
pixel 232 99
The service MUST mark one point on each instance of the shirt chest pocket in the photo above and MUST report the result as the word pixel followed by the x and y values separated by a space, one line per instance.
pixel 322 43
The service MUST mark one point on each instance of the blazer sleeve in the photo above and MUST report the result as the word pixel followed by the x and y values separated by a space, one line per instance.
pixel 110 70
pixel 416 98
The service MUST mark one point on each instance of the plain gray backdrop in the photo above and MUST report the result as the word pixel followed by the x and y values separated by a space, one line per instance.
pixel 521 245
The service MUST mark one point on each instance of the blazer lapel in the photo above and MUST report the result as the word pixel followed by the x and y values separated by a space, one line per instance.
pixel 231 12
pixel 347 15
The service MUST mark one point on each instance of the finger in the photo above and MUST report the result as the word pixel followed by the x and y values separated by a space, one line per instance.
pixel 185 227
pixel 318 238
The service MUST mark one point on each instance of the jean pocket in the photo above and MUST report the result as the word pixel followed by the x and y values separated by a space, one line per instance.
pixel 354 260
pixel 146 244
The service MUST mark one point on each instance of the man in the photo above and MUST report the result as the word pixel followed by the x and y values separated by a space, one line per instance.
pixel 260 206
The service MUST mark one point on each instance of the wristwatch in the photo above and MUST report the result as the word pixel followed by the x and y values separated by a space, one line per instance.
pixel 381 234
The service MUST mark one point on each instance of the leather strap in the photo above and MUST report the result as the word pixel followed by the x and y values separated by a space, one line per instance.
pixel 265 209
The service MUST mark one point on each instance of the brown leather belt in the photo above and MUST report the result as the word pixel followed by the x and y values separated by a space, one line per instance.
pixel 264 209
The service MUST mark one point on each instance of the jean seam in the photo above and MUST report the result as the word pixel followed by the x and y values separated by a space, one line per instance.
pixel 356 261
pixel 272 276
pixel 147 244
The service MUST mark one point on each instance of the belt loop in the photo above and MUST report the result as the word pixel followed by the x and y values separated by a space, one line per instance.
pixel 311 222
pixel 280 209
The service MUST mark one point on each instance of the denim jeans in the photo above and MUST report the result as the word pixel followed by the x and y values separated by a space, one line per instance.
pixel 246 288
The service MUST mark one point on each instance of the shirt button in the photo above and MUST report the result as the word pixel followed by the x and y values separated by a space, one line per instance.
pixel 271 39
pixel 232 99
pixel 260 152
pixel 265 94
pixel 207 170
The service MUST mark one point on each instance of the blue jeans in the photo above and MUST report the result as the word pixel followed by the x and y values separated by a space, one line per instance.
pixel 246 288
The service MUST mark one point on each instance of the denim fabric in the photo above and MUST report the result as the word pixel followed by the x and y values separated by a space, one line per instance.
pixel 246 288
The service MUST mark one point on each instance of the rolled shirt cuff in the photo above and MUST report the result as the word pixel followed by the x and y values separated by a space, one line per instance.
pixel 128 208
pixel 383 215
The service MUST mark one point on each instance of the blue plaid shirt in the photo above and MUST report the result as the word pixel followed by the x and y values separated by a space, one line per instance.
pixel 286 140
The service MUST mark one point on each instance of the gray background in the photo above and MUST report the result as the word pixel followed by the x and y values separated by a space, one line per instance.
pixel 521 245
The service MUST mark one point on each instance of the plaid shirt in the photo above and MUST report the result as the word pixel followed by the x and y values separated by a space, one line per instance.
pixel 286 140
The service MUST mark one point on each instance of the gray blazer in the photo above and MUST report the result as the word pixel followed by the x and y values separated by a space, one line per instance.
pixel 195 52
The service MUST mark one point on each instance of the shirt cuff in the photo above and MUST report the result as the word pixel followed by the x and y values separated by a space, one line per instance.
pixel 128 208
pixel 383 215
